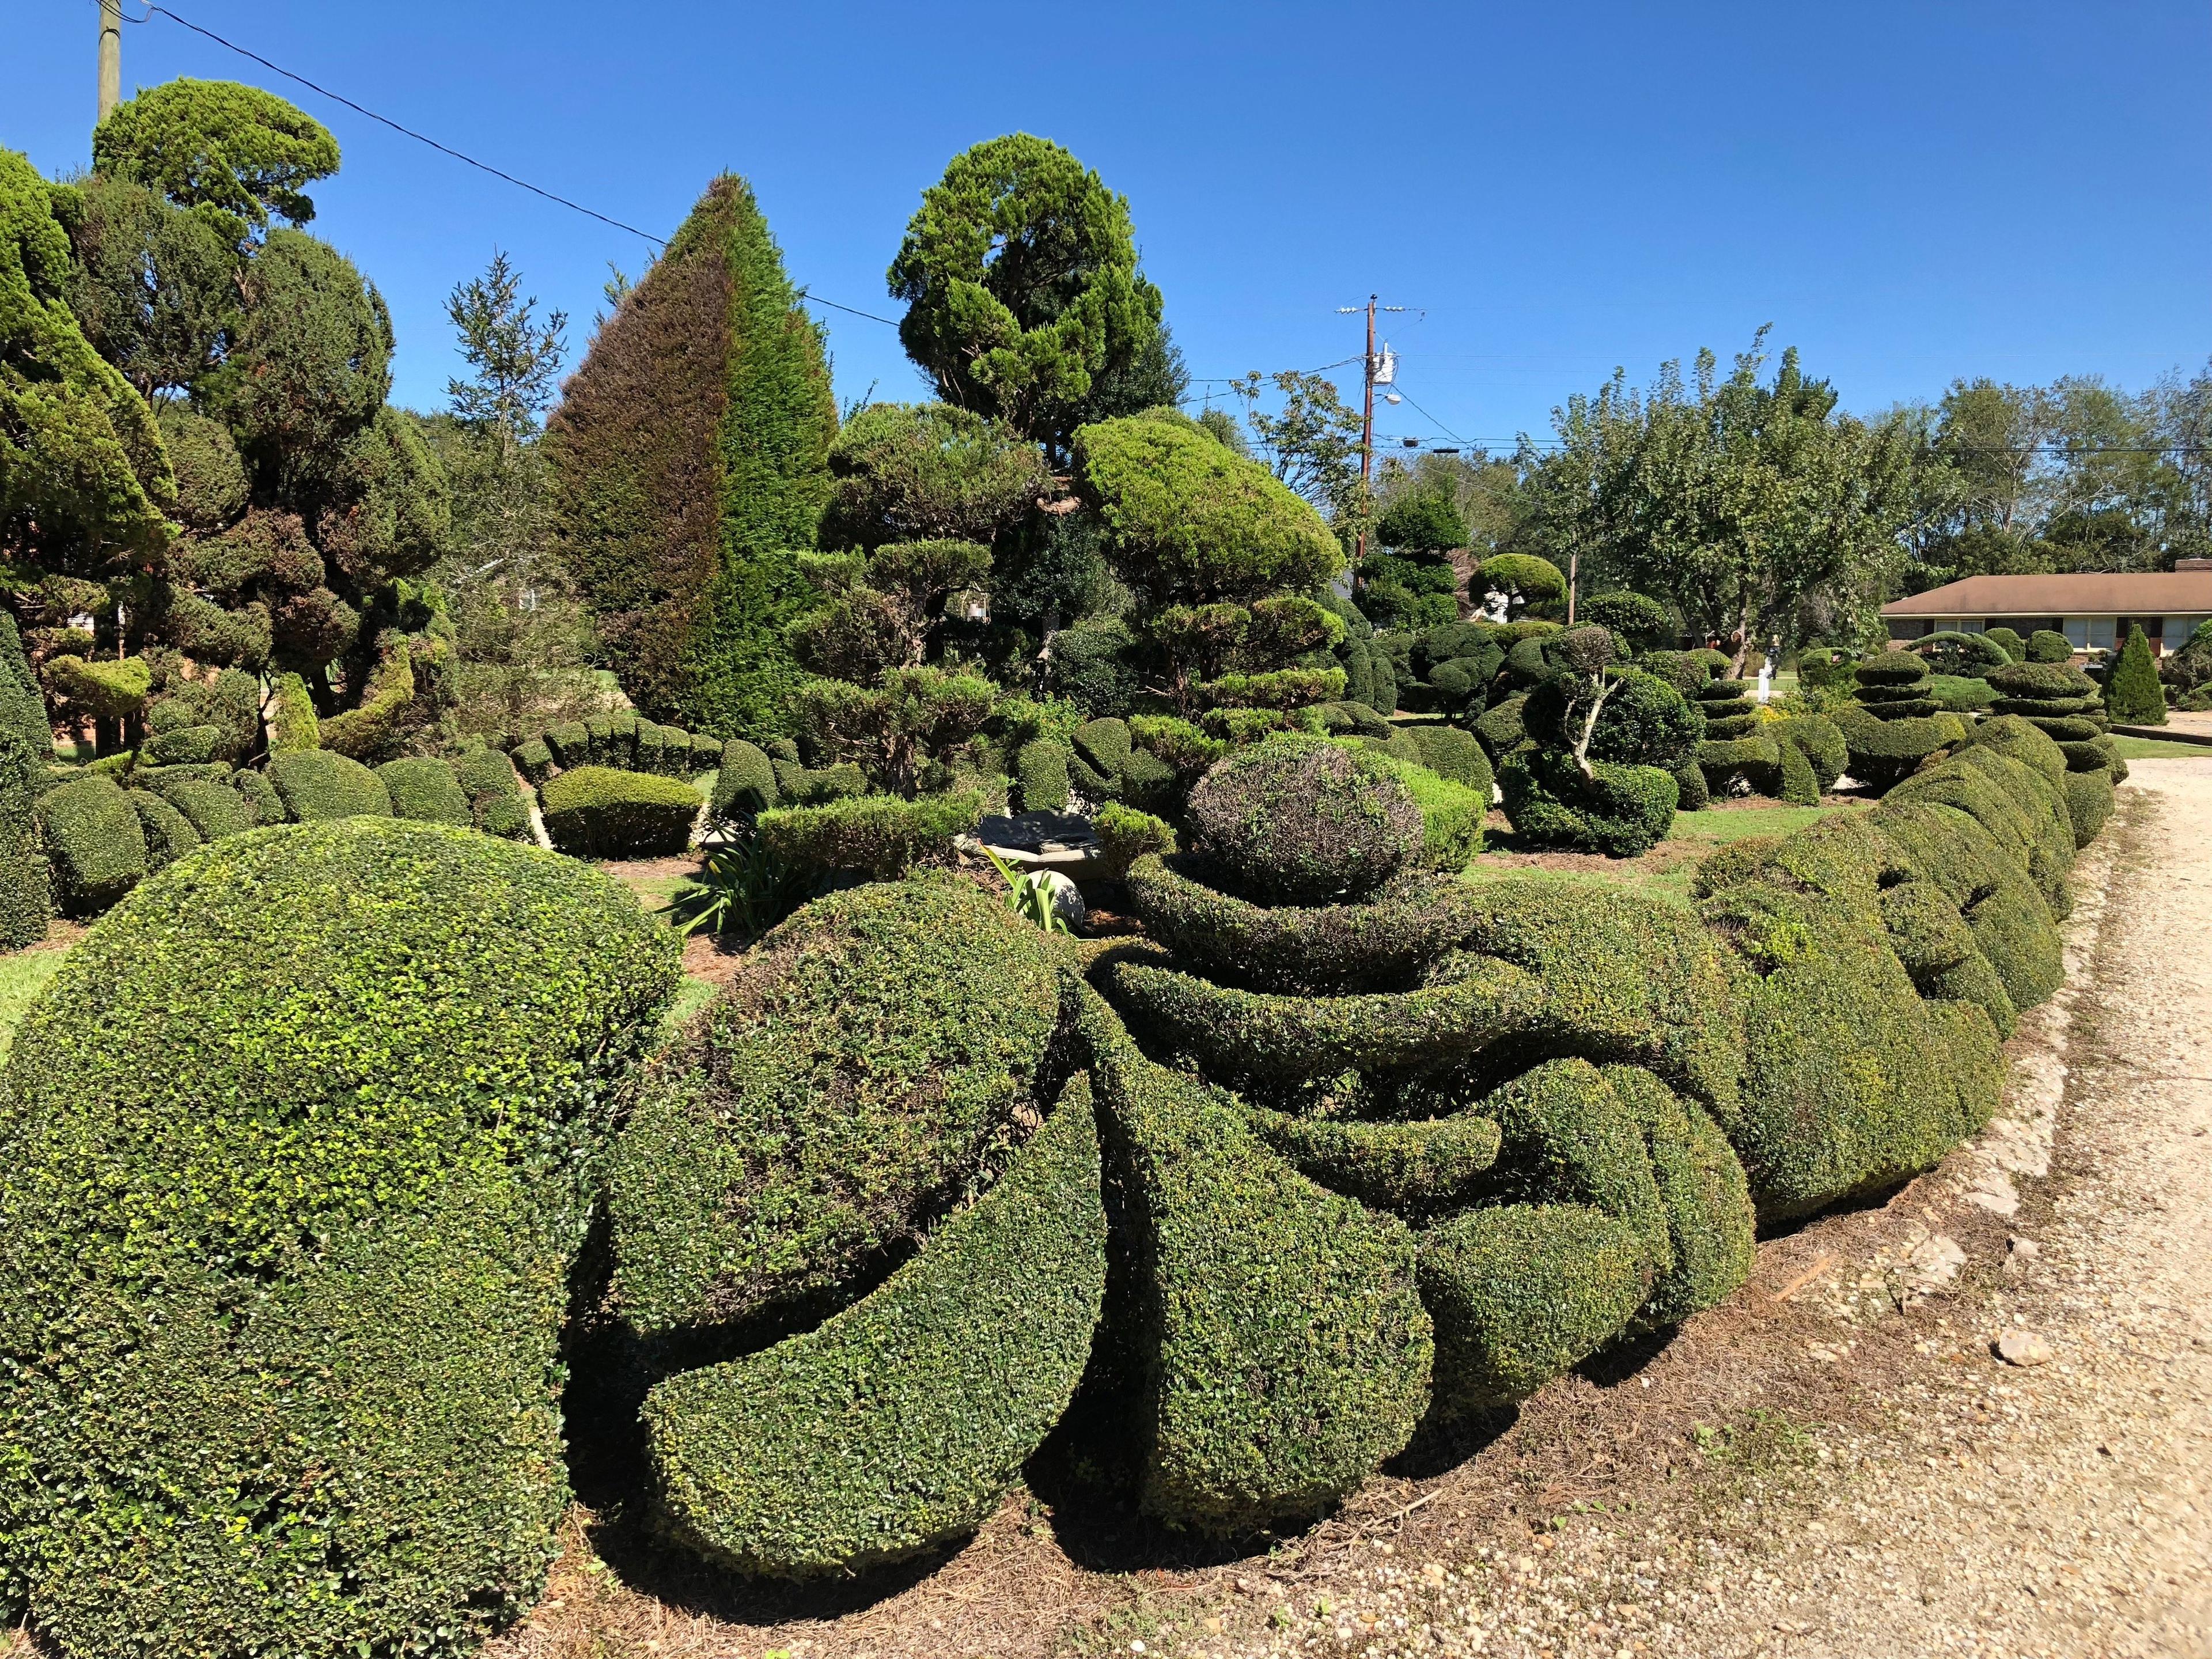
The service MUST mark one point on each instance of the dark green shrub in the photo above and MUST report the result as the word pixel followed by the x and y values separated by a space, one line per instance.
pixel 1883 751
pixel 1380 944
pixel 1955 695
pixel 213 808
pixel 2009 734
pixel 1968 656
pixel 2009 641
pixel 426 790
pixel 865 1070
pixel 1245 1036
pixel 744 782
pixel 646 756
pixel 599 741
pixel 1801 785
pixel 1125 835
pixel 2133 696
pixel 571 744
pixel 2047 645
pixel 1638 622
pixel 900 1423
pixel 706 754
pixel 1280 1350
pixel 1685 671
pixel 259 795
pixel 2010 922
pixel 187 745
pixel 1849 1085
pixel 1041 768
pixel 27 899
pixel 494 797
pixel 1416 1169
pixel 1627 980
pixel 169 834
pixel 1103 745
pixel 2088 803
pixel 1819 740
pixel 95 842
pixel 308 1118
pixel 1092 667
pixel 536 759
pixel 1691 792
pixel 1703 1193
pixel 882 834
pixel 1299 820
pixel 1450 752
pixel 799 786
pixel 317 783
pixel 1937 946
pixel 1520 1293
pixel 2046 682
pixel 1891 668
pixel 1498 728
pixel 595 812
pixel 1976 792
pixel 1757 759
pixel 1622 811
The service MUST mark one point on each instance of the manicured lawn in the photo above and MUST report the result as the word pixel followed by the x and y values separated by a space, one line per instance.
pixel 2156 749
pixel 21 977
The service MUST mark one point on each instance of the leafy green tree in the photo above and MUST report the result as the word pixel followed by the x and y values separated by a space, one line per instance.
pixel 156 287
pixel 1740 502
pixel 1422 517
pixel 86 486
pixel 516 358
pixel 1311 442
pixel 690 464
pixel 922 471
pixel 1023 297
pixel 237 151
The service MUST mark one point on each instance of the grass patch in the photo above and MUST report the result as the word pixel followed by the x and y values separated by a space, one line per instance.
pixel 2158 749
pixel 22 976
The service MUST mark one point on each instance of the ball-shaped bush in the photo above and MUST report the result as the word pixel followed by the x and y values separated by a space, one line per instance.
pixel 1299 820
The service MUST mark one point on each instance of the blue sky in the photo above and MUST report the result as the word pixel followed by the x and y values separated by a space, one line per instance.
pixel 1908 193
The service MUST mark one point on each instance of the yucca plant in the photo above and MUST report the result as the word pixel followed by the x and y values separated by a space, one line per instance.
pixel 742 890
pixel 1029 894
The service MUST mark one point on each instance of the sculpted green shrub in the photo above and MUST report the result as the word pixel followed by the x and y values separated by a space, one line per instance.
pixel 214 809
pixel 1451 814
pixel 169 834
pixel 843 1094
pixel 595 812
pixel 494 797
pixel 1278 1348
pixel 744 782
pixel 308 1117
pixel 882 834
pixel 95 842
pixel 2133 696
pixel 425 790
pixel 315 783
pixel 1041 768
pixel 899 1422
pixel 689 457
pixel 1300 820
pixel 1619 810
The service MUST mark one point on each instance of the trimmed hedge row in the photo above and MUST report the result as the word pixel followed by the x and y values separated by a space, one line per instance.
pixel 310 1164
pixel 596 811
pixel 882 834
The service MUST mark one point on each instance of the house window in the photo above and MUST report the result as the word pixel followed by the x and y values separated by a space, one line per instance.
pixel 2077 630
pixel 2178 630
pixel 2102 632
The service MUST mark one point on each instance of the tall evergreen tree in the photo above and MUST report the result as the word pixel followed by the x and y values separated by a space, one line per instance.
pixel 690 460
pixel 2134 697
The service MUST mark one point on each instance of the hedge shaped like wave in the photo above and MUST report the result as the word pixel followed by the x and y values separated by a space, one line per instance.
pixel 296 1145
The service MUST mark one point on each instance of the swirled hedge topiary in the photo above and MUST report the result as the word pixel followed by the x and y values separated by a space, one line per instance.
pixel 899 1422
pixel 596 812
pixel 1299 820
pixel 306 1121
pixel 864 1069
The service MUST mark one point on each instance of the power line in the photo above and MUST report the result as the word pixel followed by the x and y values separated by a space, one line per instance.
pixel 152 10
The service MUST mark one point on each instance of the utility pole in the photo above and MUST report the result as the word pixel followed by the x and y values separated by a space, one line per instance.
pixel 111 56
pixel 1368 365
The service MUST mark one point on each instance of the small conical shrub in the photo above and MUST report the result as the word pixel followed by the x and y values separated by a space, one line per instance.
pixel 2133 696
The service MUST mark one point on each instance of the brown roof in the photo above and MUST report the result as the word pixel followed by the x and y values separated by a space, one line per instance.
pixel 2092 594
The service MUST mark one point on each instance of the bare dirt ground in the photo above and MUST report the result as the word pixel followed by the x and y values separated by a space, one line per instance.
pixel 1834 1462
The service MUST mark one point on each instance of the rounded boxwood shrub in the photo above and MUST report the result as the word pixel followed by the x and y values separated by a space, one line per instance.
pixel 1622 811
pixel 1452 753
pixel 94 841
pixel 495 804
pixel 570 743
pixel 319 783
pixel 1041 768
pixel 2007 640
pixel 259 795
pixel 900 1423
pixel 1299 820
pixel 1451 813
pixel 882 834
pixel 535 758
pixel 2047 645
pixel 744 782
pixel 169 834
pixel 308 1117
pixel 214 810
pixel 1125 835
pixel 596 812
pixel 2088 803
pixel 1951 654
pixel 1274 1340
pixel 840 1096
pixel 427 791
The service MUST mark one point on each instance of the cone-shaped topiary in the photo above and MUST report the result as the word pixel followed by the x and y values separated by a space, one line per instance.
pixel 2133 696
pixel 691 456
